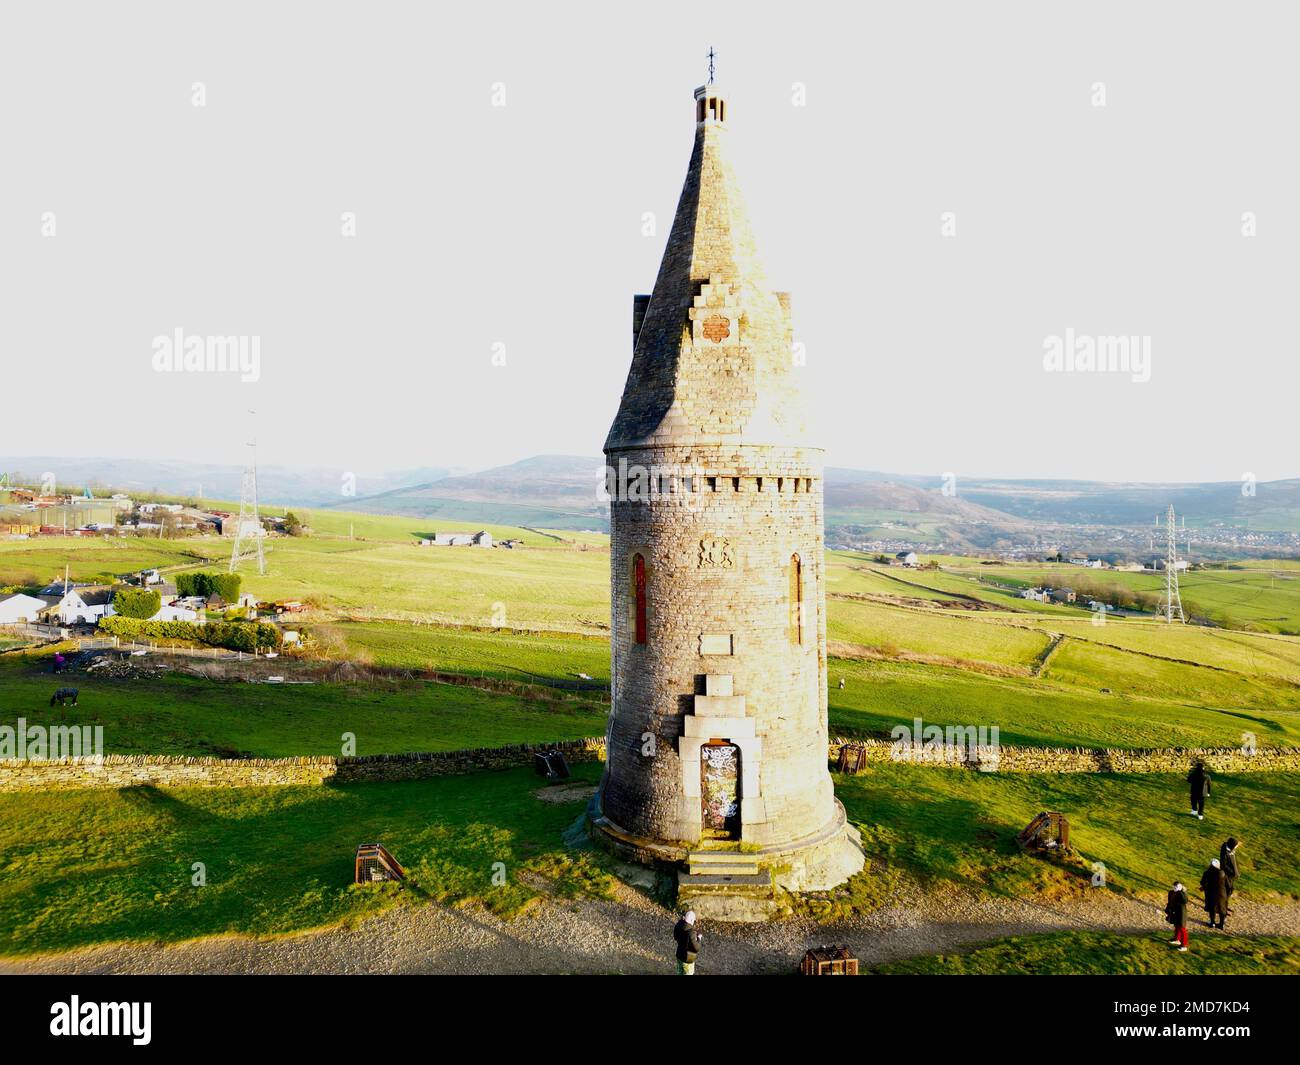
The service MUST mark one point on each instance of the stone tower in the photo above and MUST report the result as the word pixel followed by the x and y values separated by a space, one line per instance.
pixel 718 727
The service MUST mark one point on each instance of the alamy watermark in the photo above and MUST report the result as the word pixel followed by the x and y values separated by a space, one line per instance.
pixel 635 483
pixel 1081 353
pixel 39 743
pixel 919 742
pixel 192 353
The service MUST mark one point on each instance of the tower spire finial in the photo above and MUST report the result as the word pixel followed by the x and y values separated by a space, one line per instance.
pixel 711 55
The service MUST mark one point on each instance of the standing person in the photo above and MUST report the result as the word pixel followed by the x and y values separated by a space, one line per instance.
pixel 1176 915
pixel 688 944
pixel 1199 781
pixel 1216 893
pixel 1228 863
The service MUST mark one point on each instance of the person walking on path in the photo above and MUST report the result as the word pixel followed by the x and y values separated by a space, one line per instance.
pixel 688 944
pixel 1216 893
pixel 1228 863
pixel 1176 915
pixel 1199 782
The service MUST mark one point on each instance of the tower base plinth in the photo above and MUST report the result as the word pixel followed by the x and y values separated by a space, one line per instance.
pixel 723 882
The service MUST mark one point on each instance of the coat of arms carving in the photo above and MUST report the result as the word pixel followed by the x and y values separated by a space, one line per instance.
pixel 717 551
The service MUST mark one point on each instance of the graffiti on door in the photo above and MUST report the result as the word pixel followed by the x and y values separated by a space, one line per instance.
pixel 720 789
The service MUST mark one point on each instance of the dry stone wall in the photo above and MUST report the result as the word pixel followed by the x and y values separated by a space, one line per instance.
pixel 1078 759
pixel 126 771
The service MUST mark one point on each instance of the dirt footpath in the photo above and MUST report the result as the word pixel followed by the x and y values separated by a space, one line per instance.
pixel 631 934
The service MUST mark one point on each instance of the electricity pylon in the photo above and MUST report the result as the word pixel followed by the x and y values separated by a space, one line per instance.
pixel 1173 600
pixel 249 523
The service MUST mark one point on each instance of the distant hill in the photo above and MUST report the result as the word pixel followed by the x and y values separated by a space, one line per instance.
pixel 276 484
pixel 545 491
pixel 1274 506
pixel 864 501
pixel 561 492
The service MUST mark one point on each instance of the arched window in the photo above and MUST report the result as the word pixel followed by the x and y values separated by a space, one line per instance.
pixel 796 600
pixel 638 592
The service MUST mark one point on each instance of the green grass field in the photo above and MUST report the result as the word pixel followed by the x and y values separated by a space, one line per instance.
pixel 1264 597
pixel 1099 953
pixel 958 827
pixel 89 867
pixel 1039 712
pixel 526 657
pixel 195 716
pixel 951 645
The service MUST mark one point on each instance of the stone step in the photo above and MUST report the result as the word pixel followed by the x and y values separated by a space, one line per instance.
pixel 723 858
pixel 721 863
pixel 724 884
pixel 718 869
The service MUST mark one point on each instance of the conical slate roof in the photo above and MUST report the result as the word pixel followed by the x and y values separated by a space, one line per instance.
pixel 712 361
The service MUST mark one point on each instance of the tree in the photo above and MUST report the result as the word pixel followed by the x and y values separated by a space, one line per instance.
pixel 206 584
pixel 292 524
pixel 141 603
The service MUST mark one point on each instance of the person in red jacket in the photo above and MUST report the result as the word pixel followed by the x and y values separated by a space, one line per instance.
pixel 1176 915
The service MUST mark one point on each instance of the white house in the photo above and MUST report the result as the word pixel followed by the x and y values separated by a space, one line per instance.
pixel 906 558
pixel 20 609
pixel 79 605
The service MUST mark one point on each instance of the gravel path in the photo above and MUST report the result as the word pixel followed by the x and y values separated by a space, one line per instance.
pixel 631 934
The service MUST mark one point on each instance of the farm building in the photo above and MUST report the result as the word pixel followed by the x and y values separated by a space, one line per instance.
pixel 906 558
pixel 461 539
pixel 21 609
pixel 176 612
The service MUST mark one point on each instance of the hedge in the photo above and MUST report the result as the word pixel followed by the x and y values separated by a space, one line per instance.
pixel 235 635
pixel 205 584
pixel 139 603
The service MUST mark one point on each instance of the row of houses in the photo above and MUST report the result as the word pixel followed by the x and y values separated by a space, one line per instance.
pixel 66 604
pixel 1062 595
pixel 1050 595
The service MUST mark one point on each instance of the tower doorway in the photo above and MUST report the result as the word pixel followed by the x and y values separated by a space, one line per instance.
pixel 720 790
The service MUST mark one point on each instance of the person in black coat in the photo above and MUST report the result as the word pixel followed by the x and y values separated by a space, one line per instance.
pixel 1228 863
pixel 1215 888
pixel 1198 781
pixel 1176 915
pixel 688 944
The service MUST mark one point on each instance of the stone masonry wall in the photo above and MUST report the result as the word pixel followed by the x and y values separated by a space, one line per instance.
pixel 126 771
pixel 1083 759
pixel 743 593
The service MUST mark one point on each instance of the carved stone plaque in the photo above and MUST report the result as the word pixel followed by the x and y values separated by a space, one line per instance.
pixel 716 551
pixel 716 643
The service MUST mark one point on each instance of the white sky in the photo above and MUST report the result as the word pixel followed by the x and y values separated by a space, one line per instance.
pixel 522 225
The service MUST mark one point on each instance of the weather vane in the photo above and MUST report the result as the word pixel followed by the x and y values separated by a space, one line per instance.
pixel 711 53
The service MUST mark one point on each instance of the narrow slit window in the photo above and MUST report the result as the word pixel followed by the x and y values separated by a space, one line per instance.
pixel 796 600
pixel 639 596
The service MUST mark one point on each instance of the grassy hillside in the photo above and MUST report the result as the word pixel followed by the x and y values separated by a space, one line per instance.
pixel 953 645
pixel 195 716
